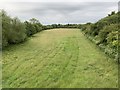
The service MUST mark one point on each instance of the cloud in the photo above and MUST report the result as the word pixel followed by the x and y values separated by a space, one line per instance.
pixel 60 12
pixel 60 1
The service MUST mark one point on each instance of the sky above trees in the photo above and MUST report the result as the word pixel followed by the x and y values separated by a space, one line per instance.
pixel 60 11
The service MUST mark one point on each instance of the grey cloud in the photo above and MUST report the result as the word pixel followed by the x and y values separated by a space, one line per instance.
pixel 63 12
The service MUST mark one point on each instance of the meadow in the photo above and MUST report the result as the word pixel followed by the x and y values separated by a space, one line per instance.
pixel 58 58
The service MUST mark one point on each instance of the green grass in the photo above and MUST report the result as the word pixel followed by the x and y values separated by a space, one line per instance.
pixel 59 58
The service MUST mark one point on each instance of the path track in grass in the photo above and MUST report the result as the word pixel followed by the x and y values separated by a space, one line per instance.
pixel 58 58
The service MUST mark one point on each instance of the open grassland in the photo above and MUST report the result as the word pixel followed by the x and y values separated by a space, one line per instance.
pixel 59 58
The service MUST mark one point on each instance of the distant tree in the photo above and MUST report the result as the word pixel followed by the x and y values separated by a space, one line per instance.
pixel 113 12
pixel 34 21
pixel 109 14
pixel 33 26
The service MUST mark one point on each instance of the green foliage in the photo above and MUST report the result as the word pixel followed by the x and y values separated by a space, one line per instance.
pixel 6 25
pixel 33 26
pixel 112 39
pixel 16 32
pixel 13 30
pixel 61 26
pixel 104 33
pixel 4 38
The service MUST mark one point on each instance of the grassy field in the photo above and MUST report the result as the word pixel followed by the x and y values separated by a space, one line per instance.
pixel 59 58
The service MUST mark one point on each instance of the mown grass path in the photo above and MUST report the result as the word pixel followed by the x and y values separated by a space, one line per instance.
pixel 59 58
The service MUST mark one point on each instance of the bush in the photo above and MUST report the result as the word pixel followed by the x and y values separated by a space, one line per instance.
pixel 33 26
pixel 104 33
pixel 13 30
pixel 17 32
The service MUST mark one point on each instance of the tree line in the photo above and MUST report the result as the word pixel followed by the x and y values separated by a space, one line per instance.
pixel 14 31
pixel 61 26
pixel 104 33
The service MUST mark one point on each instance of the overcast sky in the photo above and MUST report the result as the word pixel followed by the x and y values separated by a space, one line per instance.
pixel 60 11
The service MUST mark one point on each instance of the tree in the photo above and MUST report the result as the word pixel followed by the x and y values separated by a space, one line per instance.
pixel 34 21
pixel 113 13
pixel 13 30
pixel 17 31
pixel 33 26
